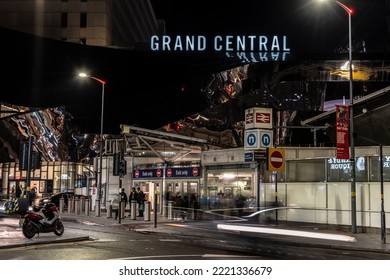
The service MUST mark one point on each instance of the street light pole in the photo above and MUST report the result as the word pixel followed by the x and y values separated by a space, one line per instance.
pixel 351 125
pixel 351 129
pixel 99 196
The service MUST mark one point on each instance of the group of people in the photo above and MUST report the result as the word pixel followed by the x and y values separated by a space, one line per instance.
pixel 135 195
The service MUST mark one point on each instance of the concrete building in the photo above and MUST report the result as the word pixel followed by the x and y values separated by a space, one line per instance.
pixel 92 22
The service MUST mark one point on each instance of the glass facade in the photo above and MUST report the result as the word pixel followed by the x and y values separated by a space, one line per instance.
pixel 337 170
pixel 312 170
pixel 229 186
pixel 51 178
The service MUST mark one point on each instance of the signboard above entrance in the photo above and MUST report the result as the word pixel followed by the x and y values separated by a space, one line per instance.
pixel 170 172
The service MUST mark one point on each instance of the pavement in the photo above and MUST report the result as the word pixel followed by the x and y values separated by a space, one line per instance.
pixel 319 236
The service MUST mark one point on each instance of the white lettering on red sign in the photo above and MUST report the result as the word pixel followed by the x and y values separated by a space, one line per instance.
pixel 249 118
pixel 263 118
pixel 276 159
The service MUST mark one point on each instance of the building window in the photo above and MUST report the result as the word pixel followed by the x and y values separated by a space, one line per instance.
pixel 64 20
pixel 83 20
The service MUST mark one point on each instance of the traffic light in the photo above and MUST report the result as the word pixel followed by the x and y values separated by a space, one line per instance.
pixel 122 167
pixel 116 164
pixel 36 160
pixel 23 156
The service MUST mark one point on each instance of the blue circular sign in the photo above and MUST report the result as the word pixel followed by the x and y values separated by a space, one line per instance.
pixel 251 139
pixel 265 139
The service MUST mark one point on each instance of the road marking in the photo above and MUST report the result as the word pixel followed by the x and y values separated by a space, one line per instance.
pixel 183 256
pixel 287 232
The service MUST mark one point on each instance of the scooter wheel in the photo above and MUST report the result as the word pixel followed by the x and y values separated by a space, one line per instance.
pixel 28 229
pixel 58 228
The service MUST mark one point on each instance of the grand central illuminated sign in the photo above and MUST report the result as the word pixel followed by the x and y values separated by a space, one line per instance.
pixel 227 43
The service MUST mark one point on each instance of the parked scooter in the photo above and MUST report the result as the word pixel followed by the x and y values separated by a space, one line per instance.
pixel 47 220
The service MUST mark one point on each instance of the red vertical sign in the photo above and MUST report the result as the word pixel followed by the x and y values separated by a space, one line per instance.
pixel 342 132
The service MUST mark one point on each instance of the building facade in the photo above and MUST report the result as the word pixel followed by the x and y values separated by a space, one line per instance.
pixel 92 22
pixel 51 177
pixel 314 188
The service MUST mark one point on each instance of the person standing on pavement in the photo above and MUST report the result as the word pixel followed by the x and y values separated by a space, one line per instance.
pixel 123 197
pixel 18 192
pixel 133 195
pixel 31 196
pixel 141 202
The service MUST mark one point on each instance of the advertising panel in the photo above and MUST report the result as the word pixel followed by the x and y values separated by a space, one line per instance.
pixel 342 132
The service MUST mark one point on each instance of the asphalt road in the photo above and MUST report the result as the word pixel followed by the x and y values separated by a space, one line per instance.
pixel 188 241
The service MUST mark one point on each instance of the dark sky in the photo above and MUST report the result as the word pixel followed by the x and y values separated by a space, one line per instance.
pixel 311 26
pixel 146 89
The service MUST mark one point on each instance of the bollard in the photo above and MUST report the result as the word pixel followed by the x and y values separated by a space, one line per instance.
pixel 192 212
pixel 87 207
pixel 61 205
pixel 76 206
pixel 109 209
pixel 170 210
pixel 82 204
pixel 97 207
pixel 133 210
pixel 147 211
pixel 123 206
pixel 69 205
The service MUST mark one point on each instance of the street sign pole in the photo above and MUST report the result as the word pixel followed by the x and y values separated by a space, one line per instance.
pixel 276 197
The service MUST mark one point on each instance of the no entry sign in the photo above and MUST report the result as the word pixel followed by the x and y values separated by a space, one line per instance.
pixel 276 159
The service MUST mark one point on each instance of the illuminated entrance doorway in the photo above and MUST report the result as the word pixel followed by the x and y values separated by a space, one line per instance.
pixel 179 184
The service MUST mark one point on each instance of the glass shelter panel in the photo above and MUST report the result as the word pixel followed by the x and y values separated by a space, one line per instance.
pixel 375 169
pixel 339 170
pixel 306 170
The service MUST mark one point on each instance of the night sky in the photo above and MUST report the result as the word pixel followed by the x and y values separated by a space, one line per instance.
pixel 149 89
pixel 310 25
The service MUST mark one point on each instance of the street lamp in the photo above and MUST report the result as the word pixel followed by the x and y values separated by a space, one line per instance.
pixel 97 202
pixel 351 128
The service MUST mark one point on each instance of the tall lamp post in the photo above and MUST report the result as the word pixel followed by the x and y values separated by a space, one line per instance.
pixel 351 126
pixel 99 196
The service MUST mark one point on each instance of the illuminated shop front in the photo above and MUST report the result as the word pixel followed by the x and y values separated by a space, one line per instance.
pixel 52 177
pixel 176 183
pixel 227 184
pixel 231 182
